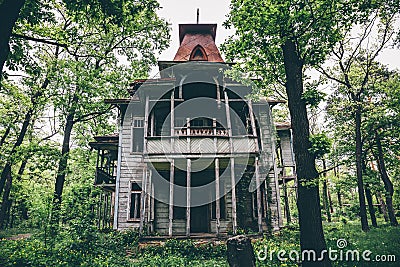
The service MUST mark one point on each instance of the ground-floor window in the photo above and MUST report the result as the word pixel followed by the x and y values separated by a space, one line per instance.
pixel 135 196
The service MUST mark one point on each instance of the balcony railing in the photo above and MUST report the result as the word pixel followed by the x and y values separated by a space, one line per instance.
pixel 201 145
pixel 103 177
pixel 203 131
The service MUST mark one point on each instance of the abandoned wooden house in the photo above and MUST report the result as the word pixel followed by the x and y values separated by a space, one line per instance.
pixel 193 154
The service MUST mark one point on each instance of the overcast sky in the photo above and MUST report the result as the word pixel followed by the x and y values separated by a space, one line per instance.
pixel 184 11
pixel 214 11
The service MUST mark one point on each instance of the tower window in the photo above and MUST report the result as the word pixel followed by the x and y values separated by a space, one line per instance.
pixel 198 53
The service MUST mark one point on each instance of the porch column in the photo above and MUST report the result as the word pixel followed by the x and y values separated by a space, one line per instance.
pixel 150 195
pixel 152 124
pixel 188 135
pixel 171 197
pixel 145 124
pixel 259 203
pixel 143 200
pixel 232 161
pixel 188 173
pixel 172 122
pixel 233 182
pixel 217 196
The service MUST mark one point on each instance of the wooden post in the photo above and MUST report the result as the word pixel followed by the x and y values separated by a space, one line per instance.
pixel 188 135
pixel 180 93
pixel 97 159
pixel 253 122
pixel 276 182
pixel 143 200
pixel 171 197
pixel 172 120
pixel 265 200
pixel 152 124
pixel 258 192
pixel 217 90
pixel 217 196
pixel 215 135
pixel 286 200
pixel 145 125
pixel 232 161
pixel 149 193
pixel 233 182
pixel 102 159
pixel 188 173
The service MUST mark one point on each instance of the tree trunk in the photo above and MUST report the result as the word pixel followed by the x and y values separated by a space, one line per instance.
pixel 382 206
pixel 386 181
pixel 63 162
pixel 6 133
pixel 330 201
pixel 24 209
pixel 325 193
pixel 5 201
pixel 240 252
pixel 339 198
pixel 308 201
pixel 371 208
pixel 22 133
pixel 6 173
pixel 9 12
pixel 360 184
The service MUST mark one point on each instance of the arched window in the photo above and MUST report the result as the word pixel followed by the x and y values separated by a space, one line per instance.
pixel 198 53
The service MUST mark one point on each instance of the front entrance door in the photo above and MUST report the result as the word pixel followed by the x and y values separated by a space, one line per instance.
pixel 200 219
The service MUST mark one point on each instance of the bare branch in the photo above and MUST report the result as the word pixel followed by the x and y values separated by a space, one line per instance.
pixel 29 38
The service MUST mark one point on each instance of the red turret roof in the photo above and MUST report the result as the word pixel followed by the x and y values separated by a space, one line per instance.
pixel 197 42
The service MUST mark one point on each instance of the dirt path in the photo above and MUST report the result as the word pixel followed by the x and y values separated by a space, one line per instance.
pixel 19 236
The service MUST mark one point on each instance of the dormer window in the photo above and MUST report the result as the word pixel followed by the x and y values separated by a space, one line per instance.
pixel 198 54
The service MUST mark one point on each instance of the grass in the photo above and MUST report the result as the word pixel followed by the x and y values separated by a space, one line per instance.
pixel 13 232
pixel 384 240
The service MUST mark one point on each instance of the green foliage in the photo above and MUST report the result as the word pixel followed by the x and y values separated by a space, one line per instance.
pixel 263 26
pixel 187 249
pixel 313 97
pixel 103 249
pixel 320 144
pixel 380 241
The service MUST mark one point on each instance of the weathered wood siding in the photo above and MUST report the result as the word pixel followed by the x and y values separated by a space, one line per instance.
pixel 268 159
pixel 131 170
pixel 286 147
